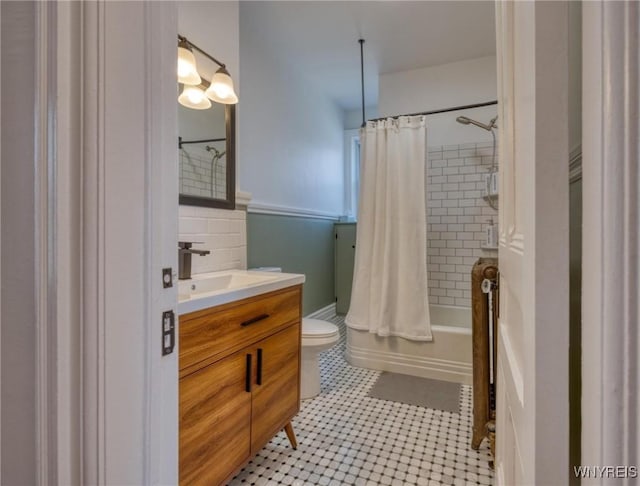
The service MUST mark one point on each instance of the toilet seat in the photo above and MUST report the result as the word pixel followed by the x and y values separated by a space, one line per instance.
pixel 318 333
pixel 315 328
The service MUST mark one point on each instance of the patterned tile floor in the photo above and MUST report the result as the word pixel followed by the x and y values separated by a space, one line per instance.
pixel 346 437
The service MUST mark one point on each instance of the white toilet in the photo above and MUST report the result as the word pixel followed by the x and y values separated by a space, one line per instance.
pixel 317 336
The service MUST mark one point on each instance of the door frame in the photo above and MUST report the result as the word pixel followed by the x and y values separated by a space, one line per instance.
pixel 611 224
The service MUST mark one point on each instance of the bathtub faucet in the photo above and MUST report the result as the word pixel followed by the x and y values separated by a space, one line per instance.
pixel 184 258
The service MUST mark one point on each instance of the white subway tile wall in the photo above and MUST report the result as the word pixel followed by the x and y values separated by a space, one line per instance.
pixel 221 231
pixel 198 176
pixel 457 217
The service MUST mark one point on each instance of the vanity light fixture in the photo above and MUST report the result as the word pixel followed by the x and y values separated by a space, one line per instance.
pixel 187 71
pixel 219 90
pixel 194 97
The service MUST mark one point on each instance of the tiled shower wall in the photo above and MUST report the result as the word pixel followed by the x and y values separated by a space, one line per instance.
pixel 457 216
pixel 198 177
pixel 221 231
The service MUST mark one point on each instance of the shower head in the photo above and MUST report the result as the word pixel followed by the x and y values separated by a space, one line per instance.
pixel 466 121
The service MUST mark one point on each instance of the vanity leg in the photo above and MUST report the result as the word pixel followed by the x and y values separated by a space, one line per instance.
pixel 291 435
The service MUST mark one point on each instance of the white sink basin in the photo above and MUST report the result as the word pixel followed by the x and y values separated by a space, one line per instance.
pixel 228 280
pixel 215 288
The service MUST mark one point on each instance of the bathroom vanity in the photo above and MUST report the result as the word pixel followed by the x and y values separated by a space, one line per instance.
pixel 239 369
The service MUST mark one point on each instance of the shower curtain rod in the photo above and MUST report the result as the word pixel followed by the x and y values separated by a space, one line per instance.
pixel 442 110
pixel 185 142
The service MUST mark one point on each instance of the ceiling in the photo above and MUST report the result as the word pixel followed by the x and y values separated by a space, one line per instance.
pixel 318 39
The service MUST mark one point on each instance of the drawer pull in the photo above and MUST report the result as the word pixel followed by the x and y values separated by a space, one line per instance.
pixel 259 377
pixel 253 320
pixel 247 379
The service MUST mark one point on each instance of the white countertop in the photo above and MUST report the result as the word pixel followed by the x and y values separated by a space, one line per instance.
pixel 216 288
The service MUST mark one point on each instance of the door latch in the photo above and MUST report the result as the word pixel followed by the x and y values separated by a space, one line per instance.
pixel 168 332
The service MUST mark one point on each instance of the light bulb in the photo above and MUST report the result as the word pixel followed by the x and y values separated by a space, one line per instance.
pixel 193 97
pixel 187 72
pixel 184 68
pixel 221 88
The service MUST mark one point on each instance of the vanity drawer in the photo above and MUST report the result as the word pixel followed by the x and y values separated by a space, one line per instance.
pixel 210 334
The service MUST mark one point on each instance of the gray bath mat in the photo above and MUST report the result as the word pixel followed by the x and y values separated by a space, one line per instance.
pixel 413 390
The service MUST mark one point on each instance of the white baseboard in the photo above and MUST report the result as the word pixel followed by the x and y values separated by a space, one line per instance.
pixel 425 367
pixel 326 312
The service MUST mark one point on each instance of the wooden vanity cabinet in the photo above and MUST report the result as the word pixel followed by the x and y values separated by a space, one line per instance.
pixel 214 410
pixel 276 397
pixel 235 397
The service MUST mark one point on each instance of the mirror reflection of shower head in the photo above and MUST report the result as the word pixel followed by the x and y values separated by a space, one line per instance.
pixel 466 121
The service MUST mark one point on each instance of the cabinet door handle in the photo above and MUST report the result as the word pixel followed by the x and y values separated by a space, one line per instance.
pixel 247 379
pixel 259 378
pixel 253 320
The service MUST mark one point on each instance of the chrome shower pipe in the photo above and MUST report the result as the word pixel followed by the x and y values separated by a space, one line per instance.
pixel 466 121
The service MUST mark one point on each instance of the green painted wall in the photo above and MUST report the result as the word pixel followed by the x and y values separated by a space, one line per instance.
pixel 298 245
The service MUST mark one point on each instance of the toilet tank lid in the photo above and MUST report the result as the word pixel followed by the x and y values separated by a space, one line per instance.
pixel 266 269
pixel 318 328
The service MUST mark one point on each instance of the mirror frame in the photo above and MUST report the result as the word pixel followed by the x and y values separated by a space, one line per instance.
pixel 230 201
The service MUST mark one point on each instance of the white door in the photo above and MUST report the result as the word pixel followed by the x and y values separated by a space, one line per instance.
pixel 117 227
pixel 532 386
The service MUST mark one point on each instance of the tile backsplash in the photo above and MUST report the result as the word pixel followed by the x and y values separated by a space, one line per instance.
pixel 457 217
pixel 221 231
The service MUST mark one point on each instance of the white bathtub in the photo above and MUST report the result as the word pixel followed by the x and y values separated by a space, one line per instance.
pixel 447 357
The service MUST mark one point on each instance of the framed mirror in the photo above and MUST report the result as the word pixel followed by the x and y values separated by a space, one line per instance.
pixel 207 163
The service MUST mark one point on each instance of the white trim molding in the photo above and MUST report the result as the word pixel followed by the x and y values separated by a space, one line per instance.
pixel 611 225
pixel 327 312
pixel 266 208
pixel 243 199
pixel 93 288
pixel 24 392
pixel 45 244
pixel 69 283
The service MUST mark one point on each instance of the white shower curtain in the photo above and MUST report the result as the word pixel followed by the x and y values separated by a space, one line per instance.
pixel 389 295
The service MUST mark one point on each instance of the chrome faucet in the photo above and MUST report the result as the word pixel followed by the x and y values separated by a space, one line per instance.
pixel 184 258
